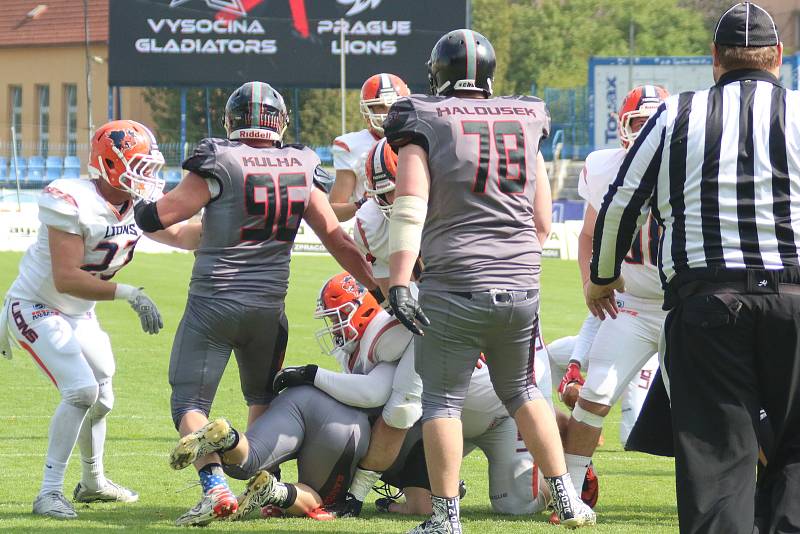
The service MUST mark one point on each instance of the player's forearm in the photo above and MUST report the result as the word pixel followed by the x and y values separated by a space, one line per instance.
pixel 346 253
pixel 79 283
pixel 361 391
pixel 401 267
pixel 344 211
pixel 185 236
pixel 584 255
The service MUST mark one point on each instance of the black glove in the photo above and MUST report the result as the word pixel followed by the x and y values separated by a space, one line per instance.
pixel 407 309
pixel 289 377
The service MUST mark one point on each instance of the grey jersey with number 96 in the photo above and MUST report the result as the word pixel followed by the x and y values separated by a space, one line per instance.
pixel 250 225
pixel 479 232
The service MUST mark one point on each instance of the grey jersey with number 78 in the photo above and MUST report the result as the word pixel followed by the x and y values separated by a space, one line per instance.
pixel 250 226
pixel 479 232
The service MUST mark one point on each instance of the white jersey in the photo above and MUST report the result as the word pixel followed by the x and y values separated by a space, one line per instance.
pixel 372 237
pixel 109 237
pixel 350 154
pixel 384 340
pixel 482 407
pixel 640 268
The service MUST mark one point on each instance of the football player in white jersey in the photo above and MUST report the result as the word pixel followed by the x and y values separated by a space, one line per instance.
pixel 621 347
pixel 378 94
pixel 87 234
pixel 571 352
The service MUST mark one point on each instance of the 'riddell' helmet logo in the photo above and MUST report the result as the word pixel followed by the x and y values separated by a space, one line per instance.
pixel 234 7
pixel 359 5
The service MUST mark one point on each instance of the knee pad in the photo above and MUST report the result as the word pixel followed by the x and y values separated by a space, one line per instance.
pixel 81 397
pixel 402 411
pixel 105 398
pixel 586 417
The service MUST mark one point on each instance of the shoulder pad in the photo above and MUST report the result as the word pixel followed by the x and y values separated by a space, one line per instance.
pixel 203 159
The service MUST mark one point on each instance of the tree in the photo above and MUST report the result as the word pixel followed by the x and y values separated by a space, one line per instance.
pixel 554 42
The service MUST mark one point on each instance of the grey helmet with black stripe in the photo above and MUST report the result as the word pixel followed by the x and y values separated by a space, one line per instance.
pixel 256 111
pixel 462 60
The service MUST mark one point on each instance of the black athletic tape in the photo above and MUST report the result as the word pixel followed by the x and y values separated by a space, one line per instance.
pixel 291 496
pixel 146 216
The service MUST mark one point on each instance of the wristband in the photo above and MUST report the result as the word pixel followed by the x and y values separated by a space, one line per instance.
pixel 124 291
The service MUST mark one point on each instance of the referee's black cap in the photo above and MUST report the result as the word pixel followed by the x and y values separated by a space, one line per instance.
pixel 746 25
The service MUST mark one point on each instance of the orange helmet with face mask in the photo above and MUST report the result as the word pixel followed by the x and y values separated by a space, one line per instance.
pixel 347 309
pixel 125 154
pixel 381 172
pixel 642 101
pixel 380 90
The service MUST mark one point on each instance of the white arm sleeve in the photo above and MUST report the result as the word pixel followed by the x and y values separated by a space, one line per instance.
pixel 585 338
pixel 361 391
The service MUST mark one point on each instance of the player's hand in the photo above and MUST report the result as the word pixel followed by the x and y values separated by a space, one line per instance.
pixel 289 377
pixel 602 299
pixel 143 305
pixel 573 375
pixel 407 309
pixel 481 361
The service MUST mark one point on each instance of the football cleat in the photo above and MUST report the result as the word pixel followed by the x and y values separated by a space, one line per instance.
pixel 591 487
pixel 111 492
pixel 213 437
pixel 436 525
pixel 320 514
pixel 383 504
pixel 348 507
pixel 260 492
pixel 218 503
pixel 55 505
pixel 571 511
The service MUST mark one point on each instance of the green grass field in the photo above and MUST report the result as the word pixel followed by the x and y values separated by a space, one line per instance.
pixel 637 492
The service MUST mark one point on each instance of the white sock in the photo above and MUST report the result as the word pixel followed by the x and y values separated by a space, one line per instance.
pixel 363 480
pixel 576 467
pixel 91 441
pixel 63 434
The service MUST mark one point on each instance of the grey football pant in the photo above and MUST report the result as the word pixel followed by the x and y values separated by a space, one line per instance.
pixel 209 330
pixel 501 325
pixel 327 438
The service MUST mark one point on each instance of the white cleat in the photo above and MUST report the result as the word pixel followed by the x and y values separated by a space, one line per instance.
pixel 218 503
pixel 260 491
pixel 111 492
pixel 581 516
pixel 212 437
pixel 54 505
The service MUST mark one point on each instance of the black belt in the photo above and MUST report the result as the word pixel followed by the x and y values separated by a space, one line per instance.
pixel 504 295
pixel 711 280
pixel 699 287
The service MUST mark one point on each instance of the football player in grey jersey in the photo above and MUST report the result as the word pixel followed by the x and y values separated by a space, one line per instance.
pixel 472 195
pixel 255 192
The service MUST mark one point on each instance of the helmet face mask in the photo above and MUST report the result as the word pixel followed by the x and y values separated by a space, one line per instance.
pixel 462 60
pixel 380 91
pixel 256 111
pixel 125 155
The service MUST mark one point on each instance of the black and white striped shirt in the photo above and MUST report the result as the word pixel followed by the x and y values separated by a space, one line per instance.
pixel 720 170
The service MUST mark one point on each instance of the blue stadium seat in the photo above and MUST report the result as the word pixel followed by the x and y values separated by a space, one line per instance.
pixel 325 155
pixel 3 169
pixel 21 168
pixel 72 167
pixel 53 165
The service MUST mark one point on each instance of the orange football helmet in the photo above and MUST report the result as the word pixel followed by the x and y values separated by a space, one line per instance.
pixel 381 170
pixel 642 101
pixel 347 308
pixel 125 154
pixel 380 90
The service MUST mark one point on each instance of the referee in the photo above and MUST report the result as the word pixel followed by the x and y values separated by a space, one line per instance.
pixel 720 170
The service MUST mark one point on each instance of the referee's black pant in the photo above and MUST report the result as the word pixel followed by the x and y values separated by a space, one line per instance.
pixel 733 348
